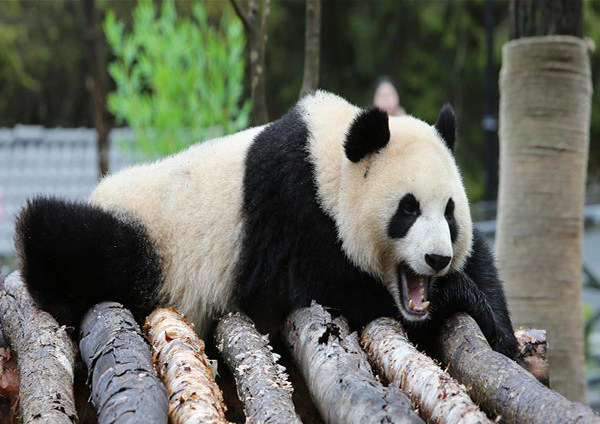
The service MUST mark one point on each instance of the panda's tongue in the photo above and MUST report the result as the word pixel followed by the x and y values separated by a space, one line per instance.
pixel 416 291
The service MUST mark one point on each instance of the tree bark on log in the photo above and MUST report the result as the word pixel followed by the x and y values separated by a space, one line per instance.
pixel 9 385
pixel 124 386
pixel 312 48
pixel 194 396
pixel 545 98
pixel 533 353
pixel 262 383
pixel 9 381
pixel 439 398
pixel 499 385
pixel 338 374
pixel 45 357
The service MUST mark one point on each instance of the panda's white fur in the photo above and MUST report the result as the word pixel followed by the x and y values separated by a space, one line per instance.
pixel 191 205
pixel 269 218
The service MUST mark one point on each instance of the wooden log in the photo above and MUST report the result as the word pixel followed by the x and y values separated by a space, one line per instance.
pixel 9 385
pixel 9 381
pixel 439 398
pixel 120 370
pixel 499 385
pixel 533 353
pixel 262 383
pixel 45 357
pixel 338 374
pixel 194 396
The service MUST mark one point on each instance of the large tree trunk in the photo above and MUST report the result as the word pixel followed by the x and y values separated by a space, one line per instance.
pixel 545 94
pixel 312 48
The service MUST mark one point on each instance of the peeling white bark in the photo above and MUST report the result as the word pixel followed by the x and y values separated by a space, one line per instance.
pixel 338 374
pixel 533 353
pixel 262 383
pixel 194 396
pixel 439 397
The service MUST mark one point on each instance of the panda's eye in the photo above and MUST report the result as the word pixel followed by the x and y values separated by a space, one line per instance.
pixel 409 205
pixel 449 212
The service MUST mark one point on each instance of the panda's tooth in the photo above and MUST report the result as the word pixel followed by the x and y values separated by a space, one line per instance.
pixel 425 305
pixel 411 304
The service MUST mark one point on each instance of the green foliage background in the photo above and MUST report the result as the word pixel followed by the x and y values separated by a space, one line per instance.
pixel 434 49
pixel 178 80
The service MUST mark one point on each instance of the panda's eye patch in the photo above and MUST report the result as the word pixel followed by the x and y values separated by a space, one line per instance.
pixel 409 205
pixel 407 213
pixel 449 212
pixel 452 224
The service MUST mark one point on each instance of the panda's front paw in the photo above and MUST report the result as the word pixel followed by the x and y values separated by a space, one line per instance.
pixel 507 345
pixel 458 293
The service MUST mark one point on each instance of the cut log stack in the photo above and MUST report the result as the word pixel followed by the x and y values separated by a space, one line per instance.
pixel 439 397
pixel 172 380
pixel 338 374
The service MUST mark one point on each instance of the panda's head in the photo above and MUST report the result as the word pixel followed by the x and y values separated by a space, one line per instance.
pixel 402 212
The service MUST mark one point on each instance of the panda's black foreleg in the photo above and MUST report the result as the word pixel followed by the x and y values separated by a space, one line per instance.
pixel 479 292
pixel 462 294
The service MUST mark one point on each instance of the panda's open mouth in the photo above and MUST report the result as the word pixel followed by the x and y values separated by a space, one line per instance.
pixel 414 291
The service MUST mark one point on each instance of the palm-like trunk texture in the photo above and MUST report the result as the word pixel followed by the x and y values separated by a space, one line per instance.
pixel 545 94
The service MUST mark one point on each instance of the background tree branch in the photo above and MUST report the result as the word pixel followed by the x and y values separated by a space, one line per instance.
pixel 312 48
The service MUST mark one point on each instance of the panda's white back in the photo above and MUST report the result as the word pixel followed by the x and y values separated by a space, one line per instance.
pixel 191 205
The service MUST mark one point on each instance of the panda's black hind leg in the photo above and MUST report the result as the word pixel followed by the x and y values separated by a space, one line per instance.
pixel 73 255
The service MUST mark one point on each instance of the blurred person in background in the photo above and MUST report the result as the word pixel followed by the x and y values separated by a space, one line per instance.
pixel 387 97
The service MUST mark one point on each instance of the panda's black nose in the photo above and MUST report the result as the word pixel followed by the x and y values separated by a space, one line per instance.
pixel 437 262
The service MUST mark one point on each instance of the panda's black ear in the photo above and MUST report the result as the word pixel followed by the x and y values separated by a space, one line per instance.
pixel 368 133
pixel 446 125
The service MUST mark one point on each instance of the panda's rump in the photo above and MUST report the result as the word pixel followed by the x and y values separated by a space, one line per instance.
pixel 191 205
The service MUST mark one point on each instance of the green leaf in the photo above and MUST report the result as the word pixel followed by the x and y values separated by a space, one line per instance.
pixel 178 81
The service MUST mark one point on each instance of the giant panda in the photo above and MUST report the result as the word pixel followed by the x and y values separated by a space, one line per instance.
pixel 364 213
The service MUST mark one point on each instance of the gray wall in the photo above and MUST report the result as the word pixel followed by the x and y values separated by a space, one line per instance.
pixel 61 162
